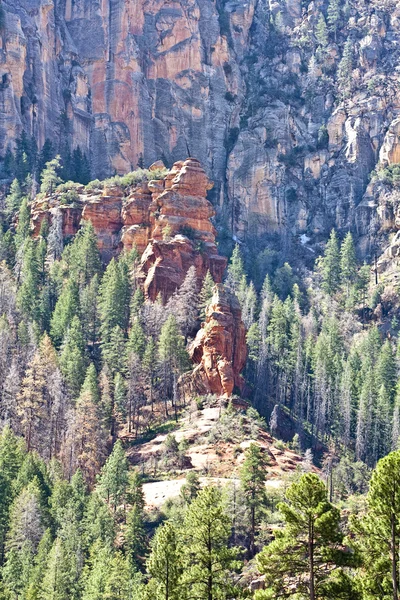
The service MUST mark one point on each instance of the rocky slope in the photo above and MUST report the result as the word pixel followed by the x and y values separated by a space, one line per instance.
pixel 215 440
pixel 288 125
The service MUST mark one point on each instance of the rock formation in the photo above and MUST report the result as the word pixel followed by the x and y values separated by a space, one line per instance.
pixel 167 220
pixel 219 349
pixel 182 233
pixel 288 137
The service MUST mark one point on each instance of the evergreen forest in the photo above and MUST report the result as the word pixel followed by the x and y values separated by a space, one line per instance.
pixel 90 371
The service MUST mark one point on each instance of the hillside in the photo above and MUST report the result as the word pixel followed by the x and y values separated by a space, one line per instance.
pixel 211 441
pixel 199 300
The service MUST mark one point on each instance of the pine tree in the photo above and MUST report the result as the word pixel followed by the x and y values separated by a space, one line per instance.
pixel 382 426
pixel 28 292
pixel 120 579
pixel 14 198
pixel 283 281
pixel 113 300
pixel 55 240
pixel 307 553
pixel 33 469
pixel 26 519
pixel 84 443
pixel 113 480
pixel 172 356
pixel 249 306
pixel 98 523
pixel 96 571
pixel 206 294
pixel 164 565
pixel 253 339
pixel 252 481
pixel 91 384
pixel 61 580
pixel 135 537
pixel 191 487
pixel 31 404
pixel 72 358
pixel 386 371
pixel 236 270
pixel 120 394
pixel 184 303
pixel 378 531
pixel 83 255
pixel 25 531
pixel 80 166
pixel 333 16
pixel 24 223
pixel 348 262
pixel 149 364
pixel 89 308
pixel 321 32
pixel 330 265
pixel 136 304
pixel 49 176
pixel 366 409
pixel 46 155
pixel 137 340
pixel 135 494
pixel 11 457
pixel 206 556
pixel 114 351
pixel 345 68
pixel 66 309
pixel 39 566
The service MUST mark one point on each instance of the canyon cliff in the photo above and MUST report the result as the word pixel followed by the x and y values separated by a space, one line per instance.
pixel 288 118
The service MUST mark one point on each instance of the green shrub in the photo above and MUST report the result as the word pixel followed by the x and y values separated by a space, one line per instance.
pixel 323 137
pixel 94 185
pixel 135 177
pixel 389 175
pixel 279 445
pixel 69 197
pixel 67 186
pixel 188 232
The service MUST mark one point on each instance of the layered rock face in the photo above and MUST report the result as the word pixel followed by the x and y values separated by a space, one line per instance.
pixel 287 124
pixel 219 349
pixel 167 220
pixel 182 233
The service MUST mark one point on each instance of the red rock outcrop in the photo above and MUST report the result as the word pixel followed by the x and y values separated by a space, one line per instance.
pixel 105 214
pixel 45 209
pixel 219 349
pixel 182 232
pixel 168 220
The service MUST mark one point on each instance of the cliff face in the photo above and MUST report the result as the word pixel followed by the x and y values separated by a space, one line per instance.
pixel 288 125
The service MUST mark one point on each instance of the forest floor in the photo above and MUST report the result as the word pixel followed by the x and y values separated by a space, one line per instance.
pixel 215 447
